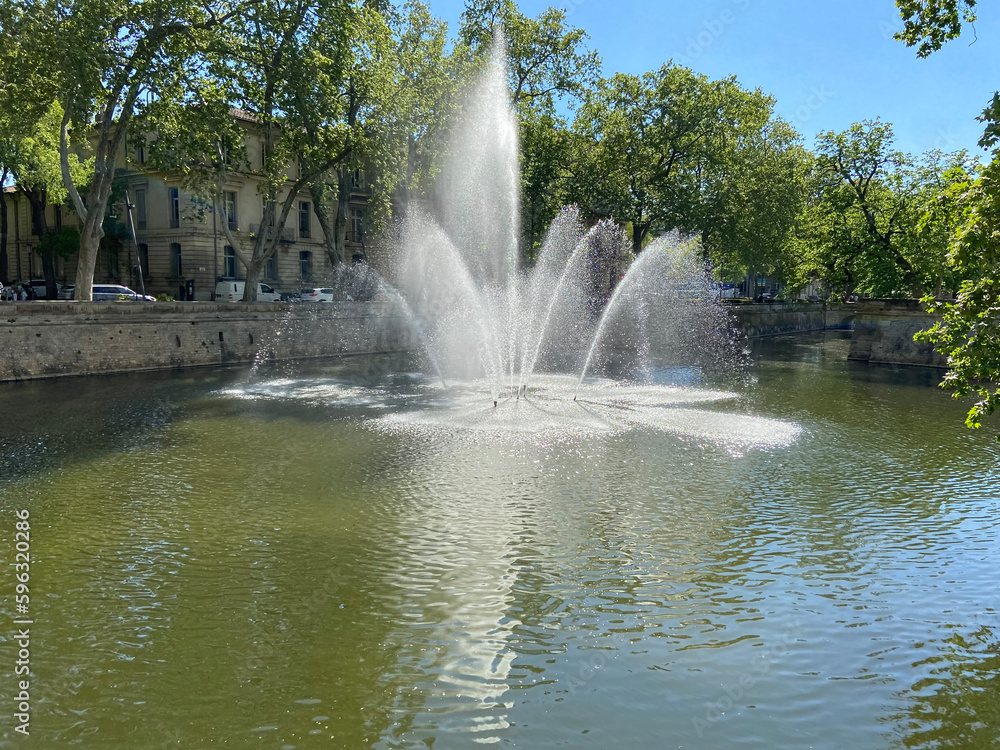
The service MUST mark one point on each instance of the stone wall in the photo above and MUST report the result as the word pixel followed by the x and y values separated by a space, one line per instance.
pixel 882 329
pixel 776 319
pixel 883 334
pixel 51 339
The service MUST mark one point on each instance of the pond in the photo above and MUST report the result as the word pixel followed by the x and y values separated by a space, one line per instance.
pixel 346 555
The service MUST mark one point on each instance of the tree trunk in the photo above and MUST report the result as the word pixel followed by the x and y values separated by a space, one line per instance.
pixel 254 269
pixel 329 239
pixel 411 167
pixel 39 226
pixel 90 243
pixel 343 209
pixel 4 262
pixel 637 236
pixel 49 271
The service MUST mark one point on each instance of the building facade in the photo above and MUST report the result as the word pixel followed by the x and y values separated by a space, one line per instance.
pixel 180 244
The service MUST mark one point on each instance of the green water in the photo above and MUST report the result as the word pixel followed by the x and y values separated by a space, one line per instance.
pixel 216 568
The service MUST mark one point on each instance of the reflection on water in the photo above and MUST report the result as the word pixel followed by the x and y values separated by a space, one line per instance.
pixel 350 557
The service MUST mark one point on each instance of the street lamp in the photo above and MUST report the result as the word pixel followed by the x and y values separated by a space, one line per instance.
pixel 135 247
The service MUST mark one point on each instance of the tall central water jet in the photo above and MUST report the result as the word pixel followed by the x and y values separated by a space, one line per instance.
pixel 486 319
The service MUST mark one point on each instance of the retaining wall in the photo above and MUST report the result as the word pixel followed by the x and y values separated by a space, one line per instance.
pixel 883 334
pixel 776 319
pixel 51 339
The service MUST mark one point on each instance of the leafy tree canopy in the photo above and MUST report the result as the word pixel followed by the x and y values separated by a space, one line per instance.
pixel 928 24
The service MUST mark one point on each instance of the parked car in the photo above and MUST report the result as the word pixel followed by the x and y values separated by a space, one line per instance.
pixel 107 293
pixel 324 294
pixel 232 291
pixel 112 292
pixel 37 288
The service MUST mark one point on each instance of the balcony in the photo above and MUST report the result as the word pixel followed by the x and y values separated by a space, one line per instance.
pixel 287 233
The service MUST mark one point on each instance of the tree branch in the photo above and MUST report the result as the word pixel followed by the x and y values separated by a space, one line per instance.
pixel 81 209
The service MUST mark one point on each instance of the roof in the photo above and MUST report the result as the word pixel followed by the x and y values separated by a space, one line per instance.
pixel 242 114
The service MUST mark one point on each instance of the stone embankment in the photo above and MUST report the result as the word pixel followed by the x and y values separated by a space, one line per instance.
pixel 776 319
pixel 883 329
pixel 883 334
pixel 51 339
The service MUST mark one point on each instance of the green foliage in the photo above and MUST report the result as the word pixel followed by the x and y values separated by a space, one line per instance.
pixel 969 332
pixel 931 23
pixel 673 149
pixel 968 213
pixel 96 58
pixel 63 243
pixel 861 230
pixel 31 154
pixel 547 58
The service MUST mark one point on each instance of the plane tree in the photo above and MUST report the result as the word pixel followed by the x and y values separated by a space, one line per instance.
pixel 861 231
pixel 98 58
pixel 32 160
pixel 318 90
pixel 673 149
pixel 968 333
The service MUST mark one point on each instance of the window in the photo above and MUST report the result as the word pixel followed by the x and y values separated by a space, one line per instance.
pixel 140 209
pixel 264 205
pixel 176 268
pixel 140 154
pixel 143 259
pixel 357 224
pixel 58 217
pixel 230 207
pixel 229 262
pixel 305 265
pixel 358 179
pixel 304 220
pixel 271 267
pixel 175 209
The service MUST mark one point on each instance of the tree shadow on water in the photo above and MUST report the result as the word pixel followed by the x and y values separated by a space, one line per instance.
pixel 955 705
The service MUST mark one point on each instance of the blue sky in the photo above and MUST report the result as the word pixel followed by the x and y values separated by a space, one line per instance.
pixel 828 63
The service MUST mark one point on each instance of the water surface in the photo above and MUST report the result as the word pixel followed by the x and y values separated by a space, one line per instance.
pixel 346 556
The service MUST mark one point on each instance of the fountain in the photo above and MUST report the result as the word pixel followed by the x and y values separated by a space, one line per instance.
pixel 586 340
pixel 491 323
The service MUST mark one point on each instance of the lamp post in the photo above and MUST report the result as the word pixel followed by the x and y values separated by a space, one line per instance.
pixel 135 245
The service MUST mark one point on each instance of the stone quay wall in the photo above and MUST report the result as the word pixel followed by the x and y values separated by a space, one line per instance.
pixel 776 319
pixel 882 329
pixel 883 334
pixel 52 339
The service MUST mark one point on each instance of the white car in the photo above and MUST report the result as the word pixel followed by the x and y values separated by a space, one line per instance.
pixel 324 294
pixel 232 291
pixel 112 292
